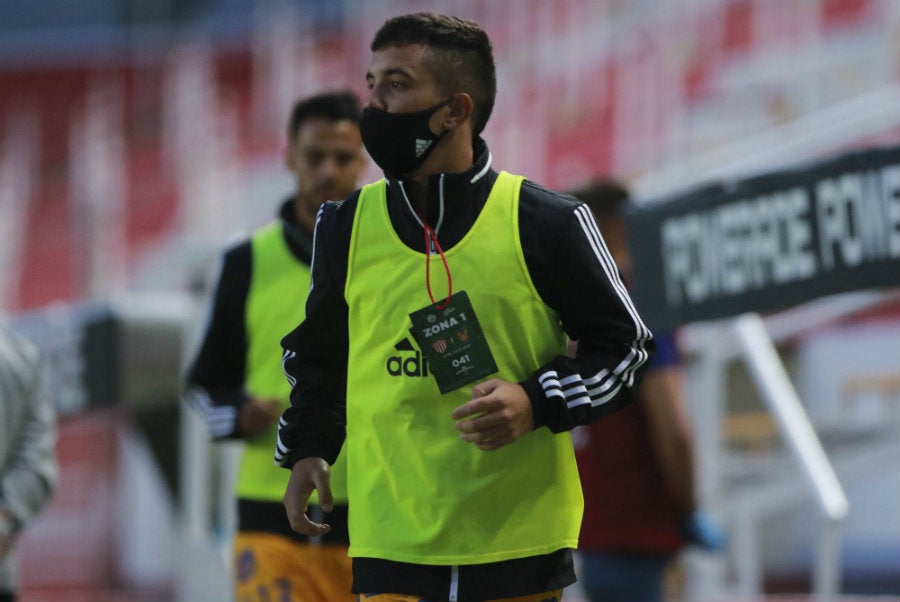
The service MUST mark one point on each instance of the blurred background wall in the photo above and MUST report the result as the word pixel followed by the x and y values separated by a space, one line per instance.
pixel 138 135
pixel 136 138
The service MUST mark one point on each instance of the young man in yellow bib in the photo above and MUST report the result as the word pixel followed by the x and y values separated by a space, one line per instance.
pixel 236 378
pixel 434 345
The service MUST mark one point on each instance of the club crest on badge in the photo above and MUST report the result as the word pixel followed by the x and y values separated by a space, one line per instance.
pixel 439 345
pixel 463 334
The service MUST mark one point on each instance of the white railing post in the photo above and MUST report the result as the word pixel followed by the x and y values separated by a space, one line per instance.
pixel 228 456
pixel 195 482
pixel 746 550
pixel 827 576
pixel 705 384
pixel 202 572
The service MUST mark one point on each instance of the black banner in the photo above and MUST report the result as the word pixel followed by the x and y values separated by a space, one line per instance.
pixel 769 242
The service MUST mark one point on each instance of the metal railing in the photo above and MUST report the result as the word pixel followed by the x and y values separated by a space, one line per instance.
pixel 781 398
pixel 752 339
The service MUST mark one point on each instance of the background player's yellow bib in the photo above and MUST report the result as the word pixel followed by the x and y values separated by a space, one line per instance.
pixel 276 303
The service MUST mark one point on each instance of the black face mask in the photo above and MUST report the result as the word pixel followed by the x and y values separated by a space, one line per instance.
pixel 399 142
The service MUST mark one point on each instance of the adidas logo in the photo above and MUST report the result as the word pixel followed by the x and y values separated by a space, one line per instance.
pixel 404 345
pixel 409 363
pixel 422 146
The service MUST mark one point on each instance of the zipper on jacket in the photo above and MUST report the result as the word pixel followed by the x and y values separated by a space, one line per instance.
pixel 437 228
pixel 454 584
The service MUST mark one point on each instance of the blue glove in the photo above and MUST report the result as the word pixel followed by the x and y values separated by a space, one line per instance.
pixel 701 530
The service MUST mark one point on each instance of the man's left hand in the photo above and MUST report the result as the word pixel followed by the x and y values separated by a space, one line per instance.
pixel 498 414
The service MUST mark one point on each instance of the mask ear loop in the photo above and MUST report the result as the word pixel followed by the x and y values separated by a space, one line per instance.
pixel 431 237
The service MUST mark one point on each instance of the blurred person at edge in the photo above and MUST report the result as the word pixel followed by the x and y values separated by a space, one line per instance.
pixel 28 469
pixel 237 381
pixel 435 343
pixel 637 466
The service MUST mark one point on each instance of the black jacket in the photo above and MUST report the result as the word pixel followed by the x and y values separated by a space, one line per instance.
pixel 572 272
pixel 215 380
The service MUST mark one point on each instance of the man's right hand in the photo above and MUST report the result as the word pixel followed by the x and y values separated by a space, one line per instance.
pixel 308 475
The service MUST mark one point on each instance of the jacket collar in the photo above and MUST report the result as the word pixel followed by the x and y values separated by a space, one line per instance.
pixel 299 241
pixel 450 196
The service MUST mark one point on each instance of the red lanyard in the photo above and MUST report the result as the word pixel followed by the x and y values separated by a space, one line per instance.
pixel 430 237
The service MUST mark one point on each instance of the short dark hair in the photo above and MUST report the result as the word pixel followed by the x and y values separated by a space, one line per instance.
pixel 334 106
pixel 460 56
pixel 605 197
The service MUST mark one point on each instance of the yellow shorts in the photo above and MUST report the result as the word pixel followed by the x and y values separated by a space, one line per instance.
pixel 272 568
pixel 545 597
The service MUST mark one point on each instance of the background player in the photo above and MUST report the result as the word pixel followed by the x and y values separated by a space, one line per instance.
pixel 237 380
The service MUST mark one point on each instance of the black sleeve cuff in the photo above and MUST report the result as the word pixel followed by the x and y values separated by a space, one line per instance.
pixel 300 453
pixel 538 401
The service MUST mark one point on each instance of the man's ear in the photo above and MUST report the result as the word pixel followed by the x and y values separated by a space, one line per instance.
pixel 461 107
